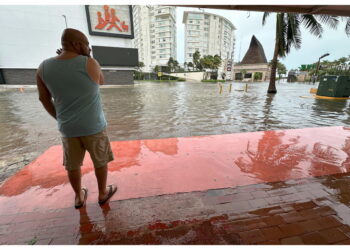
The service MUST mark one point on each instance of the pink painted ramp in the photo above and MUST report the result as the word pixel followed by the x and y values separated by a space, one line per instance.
pixel 164 166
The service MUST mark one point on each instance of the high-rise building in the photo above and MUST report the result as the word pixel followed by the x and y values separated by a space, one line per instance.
pixel 155 34
pixel 209 34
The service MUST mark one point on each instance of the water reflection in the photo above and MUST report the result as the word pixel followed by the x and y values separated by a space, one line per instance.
pixel 13 137
pixel 49 173
pixel 272 157
pixel 331 109
pixel 268 119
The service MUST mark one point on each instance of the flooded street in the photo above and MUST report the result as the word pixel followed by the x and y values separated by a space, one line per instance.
pixel 161 110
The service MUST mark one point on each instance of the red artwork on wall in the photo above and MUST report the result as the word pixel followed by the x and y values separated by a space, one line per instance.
pixel 110 18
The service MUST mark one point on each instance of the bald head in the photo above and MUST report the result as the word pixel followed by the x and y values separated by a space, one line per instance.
pixel 73 35
pixel 75 41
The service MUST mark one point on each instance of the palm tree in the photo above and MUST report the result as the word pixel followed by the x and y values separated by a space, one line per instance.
pixel 190 65
pixel 196 60
pixel 170 64
pixel 288 35
pixel 347 26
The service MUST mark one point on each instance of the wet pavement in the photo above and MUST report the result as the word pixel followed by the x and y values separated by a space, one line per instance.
pixel 269 187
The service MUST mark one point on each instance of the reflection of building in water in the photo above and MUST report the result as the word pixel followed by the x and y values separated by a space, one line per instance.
pixel 254 66
pixel 168 146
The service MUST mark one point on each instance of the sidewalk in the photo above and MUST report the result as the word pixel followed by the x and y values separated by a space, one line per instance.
pixel 249 188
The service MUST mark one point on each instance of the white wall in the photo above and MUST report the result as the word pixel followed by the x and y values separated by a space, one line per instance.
pixel 30 34
pixel 194 76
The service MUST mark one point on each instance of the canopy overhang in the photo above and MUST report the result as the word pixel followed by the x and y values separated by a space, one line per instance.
pixel 334 10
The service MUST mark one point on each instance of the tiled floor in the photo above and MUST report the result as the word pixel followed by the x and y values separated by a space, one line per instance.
pixel 306 211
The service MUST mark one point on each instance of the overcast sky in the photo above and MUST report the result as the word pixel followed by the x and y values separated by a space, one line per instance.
pixel 334 42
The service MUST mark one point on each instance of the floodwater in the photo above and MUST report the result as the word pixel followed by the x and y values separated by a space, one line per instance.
pixel 150 110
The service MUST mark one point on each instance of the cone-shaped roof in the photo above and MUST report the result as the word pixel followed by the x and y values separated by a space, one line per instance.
pixel 255 53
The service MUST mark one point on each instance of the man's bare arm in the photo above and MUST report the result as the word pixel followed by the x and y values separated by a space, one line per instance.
pixel 94 71
pixel 45 96
pixel 102 78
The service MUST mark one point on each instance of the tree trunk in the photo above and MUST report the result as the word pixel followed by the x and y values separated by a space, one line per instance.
pixel 272 86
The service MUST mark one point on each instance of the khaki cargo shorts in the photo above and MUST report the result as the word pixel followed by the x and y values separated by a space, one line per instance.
pixel 97 145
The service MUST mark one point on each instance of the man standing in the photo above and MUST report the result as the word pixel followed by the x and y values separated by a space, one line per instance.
pixel 68 87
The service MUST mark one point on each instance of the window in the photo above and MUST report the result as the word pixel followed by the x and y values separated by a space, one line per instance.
pixel 206 29
pixel 190 54
pixel 195 16
pixel 163 28
pixel 190 21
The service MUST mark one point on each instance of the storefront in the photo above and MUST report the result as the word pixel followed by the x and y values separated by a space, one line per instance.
pixel 30 34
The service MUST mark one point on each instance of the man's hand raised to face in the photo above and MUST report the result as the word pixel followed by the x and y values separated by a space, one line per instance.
pixel 59 51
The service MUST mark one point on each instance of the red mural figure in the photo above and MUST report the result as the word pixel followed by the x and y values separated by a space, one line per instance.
pixel 110 18
pixel 125 27
pixel 113 21
pixel 107 16
pixel 101 23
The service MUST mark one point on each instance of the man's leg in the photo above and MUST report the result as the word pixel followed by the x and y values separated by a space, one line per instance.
pixel 101 153
pixel 75 181
pixel 73 156
pixel 101 176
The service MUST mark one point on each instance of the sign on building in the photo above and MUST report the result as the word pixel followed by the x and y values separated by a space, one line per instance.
pixel 110 20
pixel 307 67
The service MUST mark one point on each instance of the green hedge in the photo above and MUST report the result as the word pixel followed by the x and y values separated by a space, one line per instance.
pixel 213 80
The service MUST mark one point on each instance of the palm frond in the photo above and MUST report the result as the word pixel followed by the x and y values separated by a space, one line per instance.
pixel 266 14
pixel 347 27
pixel 310 22
pixel 293 31
pixel 331 21
pixel 281 30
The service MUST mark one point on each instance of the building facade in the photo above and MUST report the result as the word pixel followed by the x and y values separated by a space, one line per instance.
pixel 32 33
pixel 254 66
pixel 155 34
pixel 209 34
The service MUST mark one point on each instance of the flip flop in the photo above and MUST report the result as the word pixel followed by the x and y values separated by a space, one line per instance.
pixel 85 197
pixel 111 191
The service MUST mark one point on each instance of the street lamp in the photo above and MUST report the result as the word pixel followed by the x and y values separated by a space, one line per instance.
pixel 65 20
pixel 318 66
